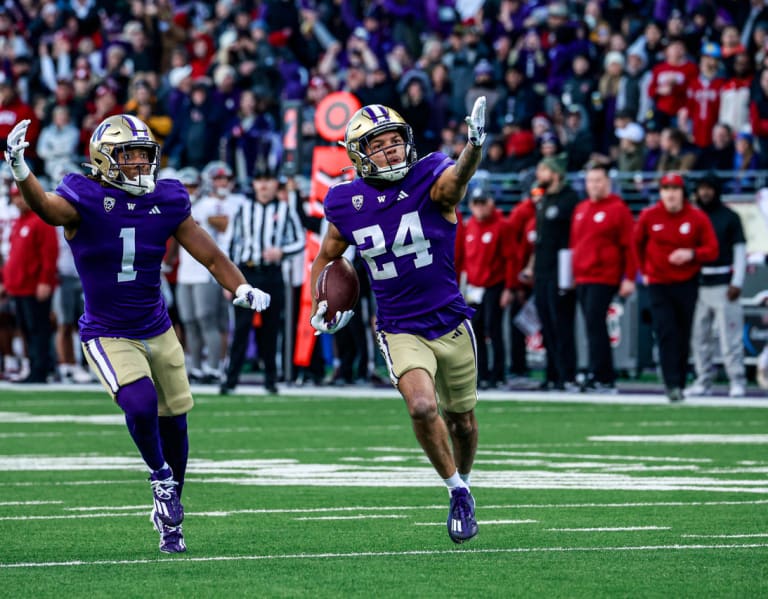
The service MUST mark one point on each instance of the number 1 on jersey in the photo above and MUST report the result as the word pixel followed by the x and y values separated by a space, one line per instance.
pixel 127 273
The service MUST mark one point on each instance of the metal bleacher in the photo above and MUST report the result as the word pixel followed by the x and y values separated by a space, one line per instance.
pixel 639 189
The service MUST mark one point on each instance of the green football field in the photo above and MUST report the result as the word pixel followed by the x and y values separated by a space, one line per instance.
pixel 310 494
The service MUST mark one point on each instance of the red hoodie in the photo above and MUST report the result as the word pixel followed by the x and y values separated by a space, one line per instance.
pixel 32 257
pixel 521 224
pixel 484 251
pixel 658 233
pixel 601 241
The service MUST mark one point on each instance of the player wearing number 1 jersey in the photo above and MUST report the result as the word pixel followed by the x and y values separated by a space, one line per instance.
pixel 400 213
pixel 117 221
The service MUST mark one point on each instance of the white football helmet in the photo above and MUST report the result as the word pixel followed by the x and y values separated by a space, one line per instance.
pixel 117 134
pixel 367 123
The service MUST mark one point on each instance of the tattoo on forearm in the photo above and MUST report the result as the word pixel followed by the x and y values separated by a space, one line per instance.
pixel 467 162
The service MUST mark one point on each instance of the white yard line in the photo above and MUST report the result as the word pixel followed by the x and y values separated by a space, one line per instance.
pixel 610 529
pixel 377 554
pixel 740 536
pixel 483 522
pixel 356 517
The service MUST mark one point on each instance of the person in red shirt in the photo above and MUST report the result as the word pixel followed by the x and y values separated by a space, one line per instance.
pixel 670 81
pixel 603 264
pixel 702 107
pixel 672 239
pixel 484 262
pixel 29 278
pixel 521 235
pixel 13 110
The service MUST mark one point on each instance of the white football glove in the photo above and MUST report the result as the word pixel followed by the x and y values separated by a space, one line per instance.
pixel 250 297
pixel 14 153
pixel 476 123
pixel 321 326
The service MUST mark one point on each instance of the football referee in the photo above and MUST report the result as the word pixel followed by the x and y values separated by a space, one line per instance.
pixel 265 231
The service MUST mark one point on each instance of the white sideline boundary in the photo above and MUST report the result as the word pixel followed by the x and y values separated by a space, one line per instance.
pixel 360 392
pixel 377 554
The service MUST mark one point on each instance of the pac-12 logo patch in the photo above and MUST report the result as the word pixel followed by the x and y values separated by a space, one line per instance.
pixel 357 202
pixel 109 203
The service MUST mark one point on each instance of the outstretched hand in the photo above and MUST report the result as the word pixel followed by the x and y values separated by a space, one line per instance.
pixel 14 154
pixel 250 297
pixel 476 123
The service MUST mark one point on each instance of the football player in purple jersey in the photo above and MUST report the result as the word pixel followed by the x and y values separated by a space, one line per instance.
pixel 400 213
pixel 117 220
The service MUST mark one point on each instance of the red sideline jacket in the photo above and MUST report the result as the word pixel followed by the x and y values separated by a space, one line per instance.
pixel 521 237
pixel 32 257
pixel 484 251
pixel 658 233
pixel 601 241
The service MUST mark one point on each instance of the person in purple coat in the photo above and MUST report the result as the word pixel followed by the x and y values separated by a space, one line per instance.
pixel 117 220
pixel 400 214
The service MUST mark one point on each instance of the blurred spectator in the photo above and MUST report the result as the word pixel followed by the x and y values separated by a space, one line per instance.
pixel 745 161
pixel 675 153
pixel 578 142
pixel 29 278
pixel 517 102
pixel 718 310
pixel 633 96
pixel 652 145
pixel 720 155
pixel 735 93
pixel 702 106
pixel 603 265
pixel 495 159
pixel 754 16
pixel 57 146
pixel 250 138
pixel 631 149
pixel 415 106
pixel 484 85
pixel 731 46
pixel 578 88
pixel 605 99
pixel 670 81
pixel 758 112
pixel 556 305
pixel 12 110
pixel 485 256
pixel 530 59
pixel 103 105
pixel 68 306
pixel 195 135
pixel 672 240
pixel 650 45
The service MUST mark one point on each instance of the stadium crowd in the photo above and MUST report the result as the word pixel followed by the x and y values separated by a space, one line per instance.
pixel 638 85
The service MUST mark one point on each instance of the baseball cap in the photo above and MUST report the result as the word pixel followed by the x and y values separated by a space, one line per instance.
pixel 672 180
pixel 478 195
pixel 631 131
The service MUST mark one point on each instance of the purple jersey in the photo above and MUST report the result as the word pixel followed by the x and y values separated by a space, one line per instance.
pixel 118 249
pixel 408 248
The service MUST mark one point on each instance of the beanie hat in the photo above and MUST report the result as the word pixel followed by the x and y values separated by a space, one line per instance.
pixel 557 164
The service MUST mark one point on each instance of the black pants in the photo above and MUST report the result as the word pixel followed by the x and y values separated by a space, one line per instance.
pixel 34 318
pixel 594 299
pixel 518 352
pixel 557 313
pixel 487 325
pixel 672 308
pixel 269 279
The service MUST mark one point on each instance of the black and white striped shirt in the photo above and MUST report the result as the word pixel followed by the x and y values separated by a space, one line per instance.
pixel 258 226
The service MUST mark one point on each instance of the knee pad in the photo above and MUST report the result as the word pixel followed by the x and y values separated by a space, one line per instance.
pixel 138 399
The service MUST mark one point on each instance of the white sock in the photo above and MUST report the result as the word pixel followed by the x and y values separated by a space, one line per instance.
pixel 163 467
pixel 466 477
pixel 454 482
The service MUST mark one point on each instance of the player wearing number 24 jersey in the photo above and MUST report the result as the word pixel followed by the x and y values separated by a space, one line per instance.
pixel 400 214
pixel 117 221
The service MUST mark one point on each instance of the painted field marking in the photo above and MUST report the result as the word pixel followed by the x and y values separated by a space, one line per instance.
pixel 739 536
pixel 684 439
pixel 610 529
pixel 4 503
pixel 483 522
pixel 356 517
pixel 369 554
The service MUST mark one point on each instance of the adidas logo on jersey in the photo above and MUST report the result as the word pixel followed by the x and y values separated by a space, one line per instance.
pixel 154 210
pixel 402 195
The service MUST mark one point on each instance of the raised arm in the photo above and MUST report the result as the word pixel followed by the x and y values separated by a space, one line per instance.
pixel 451 185
pixel 52 208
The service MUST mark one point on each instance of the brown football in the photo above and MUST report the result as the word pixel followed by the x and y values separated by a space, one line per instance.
pixel 339 286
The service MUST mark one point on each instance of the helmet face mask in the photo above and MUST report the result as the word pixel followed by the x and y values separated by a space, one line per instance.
pixel 114 147
pixel 367 124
